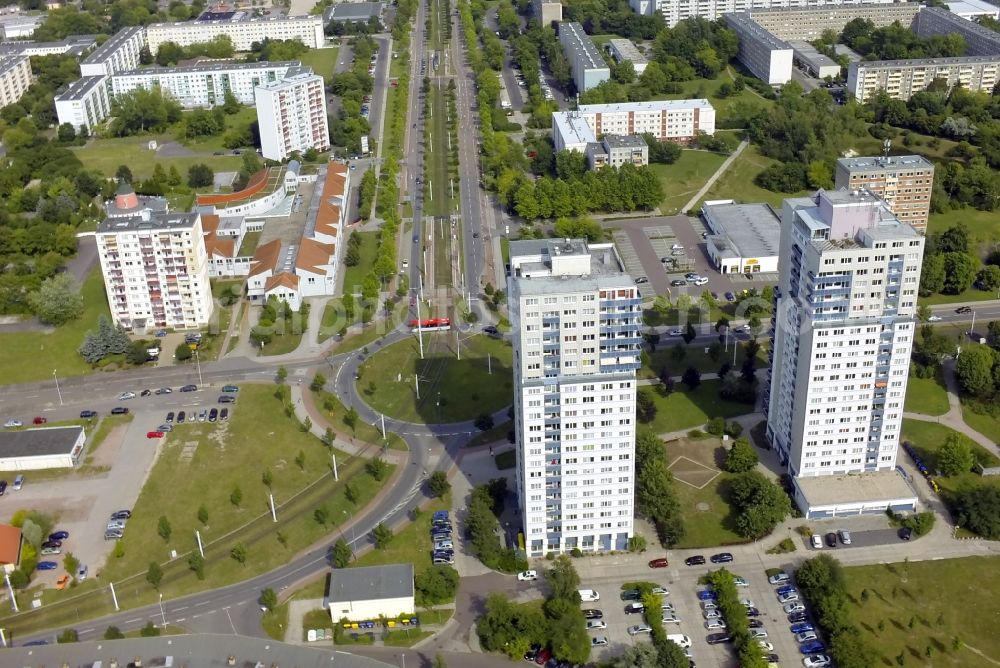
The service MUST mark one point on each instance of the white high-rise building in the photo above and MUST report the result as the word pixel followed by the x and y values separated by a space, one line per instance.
pixel 845 318
pixel 291 114
pixel 154 264
pixel 576 319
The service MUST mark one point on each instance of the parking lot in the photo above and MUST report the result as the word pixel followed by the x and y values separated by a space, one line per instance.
pixel 642 243
pixel 682 583
pixel 84 502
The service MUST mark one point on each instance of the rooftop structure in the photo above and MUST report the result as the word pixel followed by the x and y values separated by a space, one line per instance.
pixel 353 11
pixel 743 238
pixel 970 10
pixel 818 65
pixel 547 12
pixel 624 49
pixel 74 45
pixel 589 68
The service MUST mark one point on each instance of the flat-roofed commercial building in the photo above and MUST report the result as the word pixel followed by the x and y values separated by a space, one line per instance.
pixel 625 49
pixel 241 29
pixel 905 183
pixel 85 103
pixel 767 57
pixel 902 78
pixel 817 64
pixel 589 68
pixel 119 54
pixel 41 448
pixel 205 84
pixel 742 238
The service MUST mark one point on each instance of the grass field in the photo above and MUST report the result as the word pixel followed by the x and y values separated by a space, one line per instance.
pixel 695 356
pixel 926 395
pixel 916 611
pixel 738 181
pixel 241 119
pixel 335 411
pixel 439 204
pixel 106 155
pixel 983 226
pixel 412 544
pixel 708 88
pixel 21 352
pixel 709 518
pixel 682 179
pixel 686 409
pixel 367 250
pixel 451 390
pixel 322 61
pixel 987 425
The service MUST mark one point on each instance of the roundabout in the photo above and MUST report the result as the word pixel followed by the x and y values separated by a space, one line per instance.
pixel 457 380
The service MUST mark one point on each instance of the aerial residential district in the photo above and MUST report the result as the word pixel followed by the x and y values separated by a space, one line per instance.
pixel 457 333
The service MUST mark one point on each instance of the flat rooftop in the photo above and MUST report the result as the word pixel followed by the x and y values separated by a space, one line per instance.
pixel 653 105
pixel 573 128
pixel 624 141
pixel 39 442
pixel 105 51
pixel 353 11
pixel 371 583
pixel 213 66
pixel 750 230
pixel 535 257
pixel 627 50
pixel 879 163
pixel 171 220
pixel 807 52
pixel 929 62
pixel 742 22
pixel 197 650
pixel 869 488
pixel 80 88
pixel 580 42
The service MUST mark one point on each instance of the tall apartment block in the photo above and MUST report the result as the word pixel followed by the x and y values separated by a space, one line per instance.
pixel 291 114
pixel 15 78
pixel 205 84
pixel 845 318
pixel 155 265
pixel 118 54
pixel 576 319
pixel 547 12
pixel 84 104
pixel 903 181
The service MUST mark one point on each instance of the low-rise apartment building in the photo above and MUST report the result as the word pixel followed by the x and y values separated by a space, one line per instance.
pixel 902 78
pixel 589 68
pixel 242 29
pixel 205 84
pixel 667 120
pixel 84 104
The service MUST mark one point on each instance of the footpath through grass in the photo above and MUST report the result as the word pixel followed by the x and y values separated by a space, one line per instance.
pixel 913 613
pixel 685 177
pixel 22 352
pixel 203 464
pixel 451 390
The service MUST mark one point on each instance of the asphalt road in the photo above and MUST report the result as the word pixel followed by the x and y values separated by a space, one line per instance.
pixel 509 81
pixel 412 165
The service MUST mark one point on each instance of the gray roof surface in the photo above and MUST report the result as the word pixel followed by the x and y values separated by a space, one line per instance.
pixel 82 87
pixel 209 66
pixel 155 221
pixel 104 51
pixel 879 163
pixel 372 583
pixel 605 268
pixel 624 141
pixel 750 230
pixel 39 442
pixel 353 11
pixel 195 651
pixel 580 42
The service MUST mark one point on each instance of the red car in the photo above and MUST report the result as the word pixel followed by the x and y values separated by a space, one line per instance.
pixel 659 563
pixel 154 434
pixel 40 420
pixel 543 656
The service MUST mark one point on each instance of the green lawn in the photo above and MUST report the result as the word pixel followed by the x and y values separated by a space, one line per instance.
pixel 913 608
pixel 367 251
pixel 249 245
pixel 451 390
pixel 106 155
pixel 738 181
pixel 241 119
pixel 709 520
pixel 335 410
pixel 282 344
pixel 984 226
pixel 322 61
pixel 21 352
pixel 695 356
pixel 202 464
pixel 926 395
pixel 682 179
pixel 708 88
pixel 986 425
pixel 970 295
pixel 684 409
pixel 412 544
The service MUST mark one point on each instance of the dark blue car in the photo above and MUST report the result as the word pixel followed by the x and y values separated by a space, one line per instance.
pixel 59 535
pixel 707 595
pixel 802 627
pixel 722 558
pixel 812 647
pixel 787 589
pixel 47 565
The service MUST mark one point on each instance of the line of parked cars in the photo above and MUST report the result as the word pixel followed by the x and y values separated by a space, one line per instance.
pixel 443 551
pixel 806 635
pixel 116 524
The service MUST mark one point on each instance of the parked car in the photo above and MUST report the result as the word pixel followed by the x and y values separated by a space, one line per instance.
pixel 817 541
pixel 39 420
pixel 202 416
pixel 905 533
pixel 18 481
pixel 12 424
pixel 812 647
pixel 596 624
pixel 797 617
pixel 638 629
pixel 711 614
pixel 753 612
pixel 794 606
pixel 662 591
pixel 759 633
pixel 817 661
pixel 164 390
pixel 658 563
pixel 47 565
pixel 230 388
pixel 671 618
pixel 755 624
pixel 707 595
pixel 543 656
pixel 119 410
pixel 3 487
pixel 963 309
pixel 166 427
pixel 589 595
pixel 780 577
pixel 696 560
pixel 189 388
pixel 121 514
pixel 59 535
pixel 718 638
pixel 113 534
pixel 181 416
pixel 50 550
pixel 785 589
pixel 87 415
pixel 170 416
pixel 788 598
pixel 630 595
pixel 677 283
pixel 845 537
pixel 227 399
pixel 831 539
pixel 598 641
pixel 125 396
pixel 635 608
pixel 801 627
pixel 82 572
pixel 224 415
pixel 740 582
pixel 155 434
pixel 709 605
pixel 592 613
pixel 722 558
pixel 641 280
pixel 527 576
pixel 713 624
pixel 213 415
pixel 730 297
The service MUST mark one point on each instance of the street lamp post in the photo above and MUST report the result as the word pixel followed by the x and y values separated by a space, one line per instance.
pixel 197 360
pixel 163 615
pixel 58 391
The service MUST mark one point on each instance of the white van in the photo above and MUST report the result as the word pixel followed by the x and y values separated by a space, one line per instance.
pixel 680 639
pixel 589 595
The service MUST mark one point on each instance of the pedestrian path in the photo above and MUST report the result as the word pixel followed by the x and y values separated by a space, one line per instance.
pixel 715 177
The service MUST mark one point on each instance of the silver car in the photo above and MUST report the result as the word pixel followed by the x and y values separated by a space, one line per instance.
pixel 711 614
pixel 596 624
pixel 714 624
pixel 639 629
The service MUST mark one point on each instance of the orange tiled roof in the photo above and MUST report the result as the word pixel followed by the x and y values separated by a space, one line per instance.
pixel 284 279
pixel 313 254
pixel 266 257
pixel 209 223
pixel 334 186
pixel 10 544
pixel 224 247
